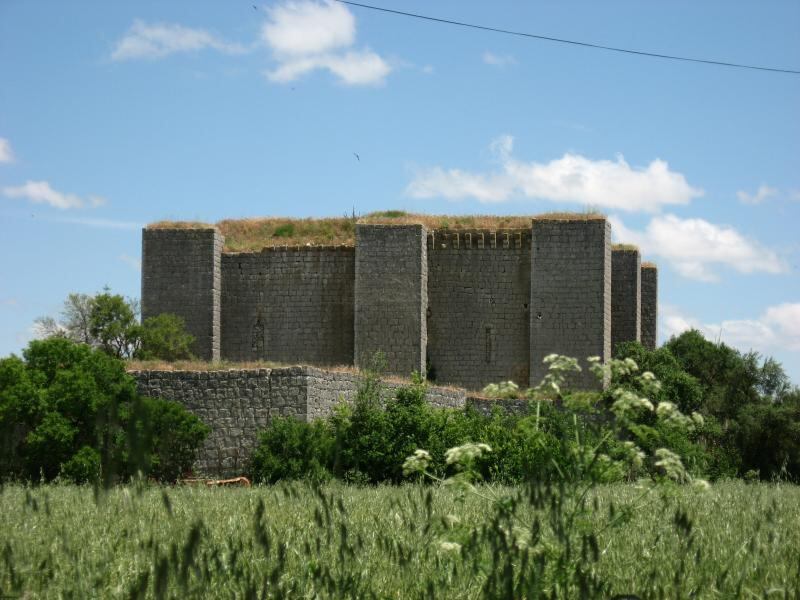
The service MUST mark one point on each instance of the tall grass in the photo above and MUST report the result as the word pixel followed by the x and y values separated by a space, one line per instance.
pixel 411 541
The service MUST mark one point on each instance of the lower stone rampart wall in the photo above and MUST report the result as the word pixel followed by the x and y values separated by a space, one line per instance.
pixel 237 404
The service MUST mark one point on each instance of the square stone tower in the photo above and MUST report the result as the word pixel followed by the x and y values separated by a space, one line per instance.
pixel 626 295
pixel 649 305
pixel 181 275
pixel 391 296
pixel 570 304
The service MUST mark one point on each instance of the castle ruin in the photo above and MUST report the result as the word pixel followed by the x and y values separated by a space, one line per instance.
pixel 467 306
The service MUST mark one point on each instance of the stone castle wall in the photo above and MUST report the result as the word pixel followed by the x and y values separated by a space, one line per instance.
pixel 289 305
pixel 238 403
pixel 479 286
pixel 476 306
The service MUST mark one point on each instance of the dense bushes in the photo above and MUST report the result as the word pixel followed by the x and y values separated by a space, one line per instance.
pixel 724 413
pixel 71 411
pixel 369 440
pixel 750 408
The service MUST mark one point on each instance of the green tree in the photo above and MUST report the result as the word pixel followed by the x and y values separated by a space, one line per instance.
pixel 111 322
pixel 70 410
pixel 164 337
pixel 74 322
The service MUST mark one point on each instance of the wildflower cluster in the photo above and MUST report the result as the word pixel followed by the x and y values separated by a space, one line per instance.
pixel 559 369
pixel 504 389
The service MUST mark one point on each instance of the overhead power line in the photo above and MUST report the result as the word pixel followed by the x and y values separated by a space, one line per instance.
pixel 546 38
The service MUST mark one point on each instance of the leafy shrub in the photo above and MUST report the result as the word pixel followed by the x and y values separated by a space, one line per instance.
pixel 749 407
pixel 652 403
pixel 367 442
pixel 677 385
pixel 768 437
pixel 291 449
pixel 174 435
pixel 83 467
pixel 164 337
pixel 71 410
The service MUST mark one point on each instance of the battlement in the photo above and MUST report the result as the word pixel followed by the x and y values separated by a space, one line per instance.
pixel 479 239
pixel 469 300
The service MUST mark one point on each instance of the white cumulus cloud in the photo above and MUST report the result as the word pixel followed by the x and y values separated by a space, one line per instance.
pixel 694 246
pixel 306 36
pixel 573 178
pixel 777 328
pixel 6 155
pixel 40 192
pixel 157 40
pixel 303 28
pixel 763 192
pixel 352 68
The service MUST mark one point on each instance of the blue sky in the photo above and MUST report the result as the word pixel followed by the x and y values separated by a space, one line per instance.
pixel 113 115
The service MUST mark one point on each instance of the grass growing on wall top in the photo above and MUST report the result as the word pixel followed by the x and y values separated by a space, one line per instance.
pixel 242 235
pixel 226 365
pixel 570 216
pixel 253 234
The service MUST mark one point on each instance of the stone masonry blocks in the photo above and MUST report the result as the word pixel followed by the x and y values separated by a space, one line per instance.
pixel 237 404
pixel 478 316
pixel 391 296
pixel 626 296
pixel 570 307
pixel 481 305
pixel 181 275
pixel 289 305
pixel 649 305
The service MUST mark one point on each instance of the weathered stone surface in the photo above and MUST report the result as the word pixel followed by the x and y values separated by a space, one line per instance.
pixel 626 297
pixel 649 306
pixel 238 403
pixel 391 296
pixel 181 275
pixel 483 306
pixel 478 318
pixel 289 305
pixel 570 294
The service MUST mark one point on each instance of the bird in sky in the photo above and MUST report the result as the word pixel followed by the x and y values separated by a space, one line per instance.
pixel 357 157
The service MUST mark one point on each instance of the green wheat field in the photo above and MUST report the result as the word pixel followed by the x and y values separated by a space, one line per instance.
pixel 336 540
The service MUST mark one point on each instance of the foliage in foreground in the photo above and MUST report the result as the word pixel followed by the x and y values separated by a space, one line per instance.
pixel 735 540
pixel 69 411
pixel 369 440
pixel 751 409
